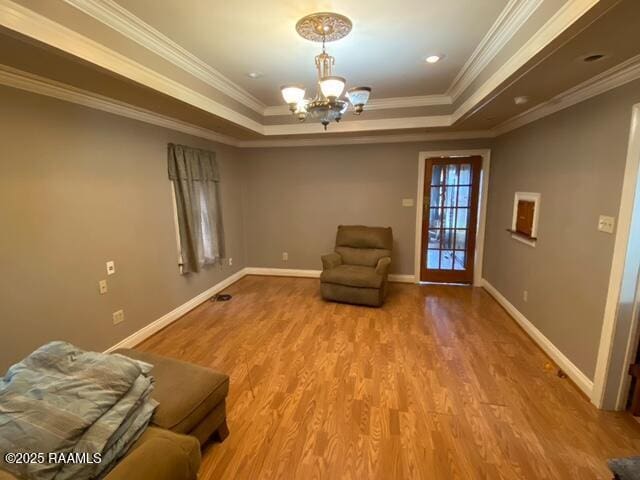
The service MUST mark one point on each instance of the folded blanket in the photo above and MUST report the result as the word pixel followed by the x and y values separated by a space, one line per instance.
pixel 61 399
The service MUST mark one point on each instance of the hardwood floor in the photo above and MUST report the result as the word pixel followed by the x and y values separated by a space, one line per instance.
pixel 440 383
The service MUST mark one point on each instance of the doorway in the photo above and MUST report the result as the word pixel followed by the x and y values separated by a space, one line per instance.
pixel 450 219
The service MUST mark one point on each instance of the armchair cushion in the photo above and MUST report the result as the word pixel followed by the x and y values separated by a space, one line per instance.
pixel 331 260
pixel 353 276
pixel 358 236
pixel 358 245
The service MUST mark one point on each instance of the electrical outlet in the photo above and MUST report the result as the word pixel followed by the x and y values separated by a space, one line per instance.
pixel 407 202
pixel 285 256
pixel 525 295
pixel 606 224
pixel 111 267
pixel 102 287
pixel 118 317
pixel 230 261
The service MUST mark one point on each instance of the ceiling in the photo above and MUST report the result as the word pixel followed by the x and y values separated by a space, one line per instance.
pixel 187 61
pixel 386 48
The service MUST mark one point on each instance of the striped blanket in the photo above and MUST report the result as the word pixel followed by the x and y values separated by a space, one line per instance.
pixel 80 410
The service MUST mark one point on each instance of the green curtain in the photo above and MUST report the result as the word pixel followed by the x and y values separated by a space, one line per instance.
pixel 196 181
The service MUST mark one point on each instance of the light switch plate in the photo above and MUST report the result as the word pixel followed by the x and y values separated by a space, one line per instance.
pixel 118 317
pixel 606 224
pixel 407 202
pixel 111 267
pixel 102 286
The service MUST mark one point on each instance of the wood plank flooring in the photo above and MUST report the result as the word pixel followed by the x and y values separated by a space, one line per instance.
pixel 440 383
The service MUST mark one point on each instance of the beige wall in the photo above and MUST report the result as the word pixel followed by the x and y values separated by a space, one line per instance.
pixel 575 159
pixel 79 187
pixel 296 197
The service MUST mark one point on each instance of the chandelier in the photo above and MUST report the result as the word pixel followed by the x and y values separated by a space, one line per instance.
pixel 326 106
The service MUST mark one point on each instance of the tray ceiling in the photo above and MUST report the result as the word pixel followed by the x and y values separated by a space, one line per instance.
pixel 188 61
pixel 386 48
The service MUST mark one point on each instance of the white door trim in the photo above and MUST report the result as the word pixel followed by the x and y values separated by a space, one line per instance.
pixel 482 206
pixel 601 395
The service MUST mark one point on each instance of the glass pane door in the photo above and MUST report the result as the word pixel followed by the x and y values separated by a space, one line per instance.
pixel 451 187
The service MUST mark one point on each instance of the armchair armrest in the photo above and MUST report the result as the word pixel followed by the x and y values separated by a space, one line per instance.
pixel 382 268
pixel 331 260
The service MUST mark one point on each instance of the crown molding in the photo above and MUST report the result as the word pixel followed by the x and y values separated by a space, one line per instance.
pixel 378 104
pixel 361 125
pixel 14 78
pixel 511 19
pixel 566 16
pixel 615 77
pixel 27 22
pixel 126 23
pixel 408 102
pixel 19 79
pixel 364 140
pixel 32 24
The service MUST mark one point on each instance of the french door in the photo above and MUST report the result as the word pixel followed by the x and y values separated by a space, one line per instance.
pixel 449 219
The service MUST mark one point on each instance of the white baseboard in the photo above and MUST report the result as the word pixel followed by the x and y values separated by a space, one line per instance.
pixel 292 272
pixel 579 378
pixel 401 278
pixel 282 272
pixel 157 325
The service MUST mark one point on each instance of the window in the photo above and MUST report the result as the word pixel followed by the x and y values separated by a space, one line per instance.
pixel 524 225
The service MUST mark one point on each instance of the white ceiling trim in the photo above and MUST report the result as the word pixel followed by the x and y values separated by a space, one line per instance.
pixel 12 77
pixel 23 20
pixel 15 78
pixel 411 137
pixel 613 78
pixel 568 14
pixel 512 18
pixel 126 23
pixel 361 125
pixel 16 17
pixel 379 104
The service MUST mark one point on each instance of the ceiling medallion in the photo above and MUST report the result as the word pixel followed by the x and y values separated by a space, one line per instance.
pixel 327 106
pixel 324 26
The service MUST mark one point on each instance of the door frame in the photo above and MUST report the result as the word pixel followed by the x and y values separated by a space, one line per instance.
pixel 620 322
pixel 482 206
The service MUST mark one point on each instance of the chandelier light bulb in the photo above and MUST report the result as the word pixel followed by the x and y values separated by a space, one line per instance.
pixel 292 94
pixel 332 87
pixel 359 96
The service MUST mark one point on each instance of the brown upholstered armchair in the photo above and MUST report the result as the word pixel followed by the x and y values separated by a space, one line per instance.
pixel 357 271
